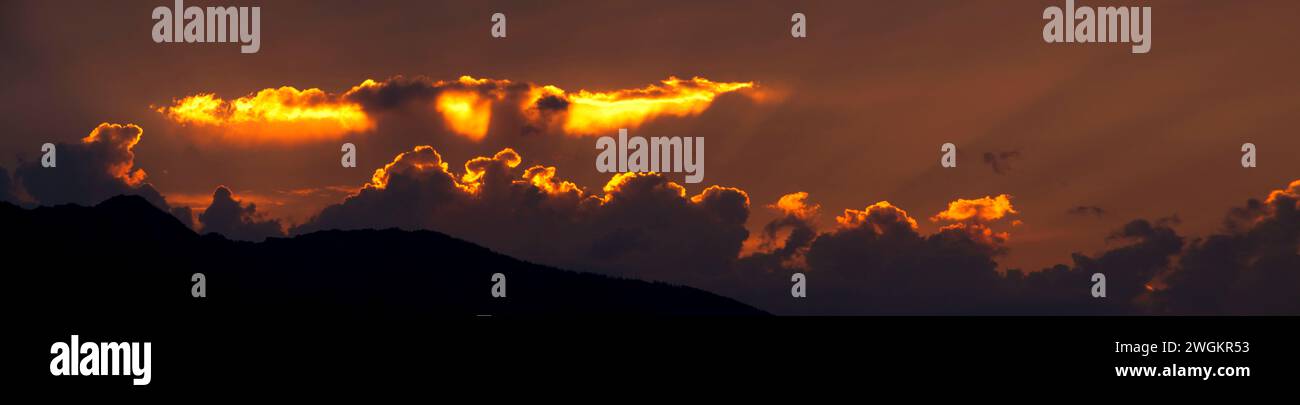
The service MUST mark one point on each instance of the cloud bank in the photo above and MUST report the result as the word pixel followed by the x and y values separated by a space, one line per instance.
pixel 287 115
pixel 639 225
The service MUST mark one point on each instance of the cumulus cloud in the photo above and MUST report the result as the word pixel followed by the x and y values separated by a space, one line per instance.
pixel 230 217
pixel 978 210
pixel 878 255
pixel 875 260
pixel 1147 249
pixel 785 239
pixel 1251 267
pixel 974 216
pixel 639 224
pixel 100 166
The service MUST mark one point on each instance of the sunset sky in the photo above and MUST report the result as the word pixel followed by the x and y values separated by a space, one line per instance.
pixel 1060 145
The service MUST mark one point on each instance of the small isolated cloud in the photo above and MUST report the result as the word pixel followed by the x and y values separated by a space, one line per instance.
pixel 983 209
pixel 1087 210
pixel 1000 162
pixel 234 219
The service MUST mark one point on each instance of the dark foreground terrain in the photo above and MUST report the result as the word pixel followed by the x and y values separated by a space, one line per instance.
pixel 124 256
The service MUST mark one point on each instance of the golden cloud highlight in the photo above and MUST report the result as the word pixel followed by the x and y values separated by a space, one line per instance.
pixel 465 112
pixel 543 177
pixel 281 115
pixel 601 112
pixel 465 105
pixel 973 216
pixel 1292 191
pixel 422 159
pixel 870 216
pixel 796 205
pixel 980 209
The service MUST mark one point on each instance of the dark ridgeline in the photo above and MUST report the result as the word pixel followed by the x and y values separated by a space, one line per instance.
pixel 126 258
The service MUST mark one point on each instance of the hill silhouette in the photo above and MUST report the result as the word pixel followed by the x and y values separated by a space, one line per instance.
pixel 126 256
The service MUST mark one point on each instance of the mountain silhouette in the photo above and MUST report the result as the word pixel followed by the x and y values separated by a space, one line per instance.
pixel 126 256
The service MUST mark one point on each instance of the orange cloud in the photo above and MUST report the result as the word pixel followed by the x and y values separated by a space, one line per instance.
pixel 543 177
pixel 283 115
pixel 874 215
pixel 422 159
pixel 798 216
pixel 980 209
pixel 477 167
pixel 1292 191
pixel 973 216
pixel 601 112
pixel 795 204
pixel 465 113
pixel 465 105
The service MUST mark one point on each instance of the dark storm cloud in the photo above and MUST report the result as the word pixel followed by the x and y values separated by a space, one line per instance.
pixel 877 262
pixel 99 167
pixel 1000 162
pixel 642 225
pixel 90 171
pixel 228 216
pixel 1148 249
pixel 1252 267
